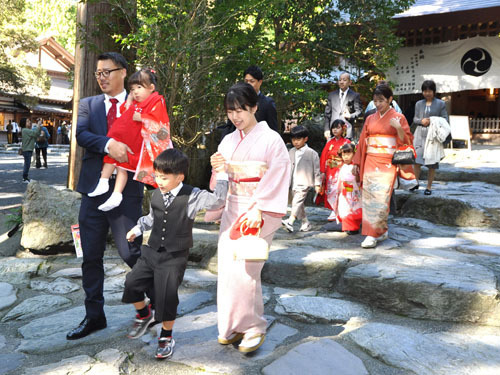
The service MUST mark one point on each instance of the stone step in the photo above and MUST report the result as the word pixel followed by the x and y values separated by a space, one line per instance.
pixel 423 270
pixel 454 203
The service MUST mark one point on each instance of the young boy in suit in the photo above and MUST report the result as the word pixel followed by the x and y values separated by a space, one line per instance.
pixel 305 175
pixel 163 260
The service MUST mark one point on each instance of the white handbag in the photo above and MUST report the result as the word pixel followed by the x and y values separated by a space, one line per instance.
pixel 251 248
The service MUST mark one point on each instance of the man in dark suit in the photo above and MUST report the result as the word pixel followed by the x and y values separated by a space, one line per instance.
pixel 95 115
pixel 344 104
pixel 266 107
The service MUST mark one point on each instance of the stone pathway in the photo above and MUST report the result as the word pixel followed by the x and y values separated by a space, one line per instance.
pixel 425 301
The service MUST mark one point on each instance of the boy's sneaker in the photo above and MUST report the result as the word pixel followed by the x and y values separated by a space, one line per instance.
pixel 287 225
pixel 140 326
pixel 305 227
pixel 165 347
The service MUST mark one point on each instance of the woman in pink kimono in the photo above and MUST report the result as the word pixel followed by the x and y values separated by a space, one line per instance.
pixel 258 167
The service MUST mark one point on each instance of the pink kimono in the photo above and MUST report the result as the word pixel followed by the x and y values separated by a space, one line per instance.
pixel 259 171
pixel 348 203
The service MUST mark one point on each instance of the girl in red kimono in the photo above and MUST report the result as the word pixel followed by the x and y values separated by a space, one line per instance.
pixel 144 127
pixel 383 133
pixel 330 163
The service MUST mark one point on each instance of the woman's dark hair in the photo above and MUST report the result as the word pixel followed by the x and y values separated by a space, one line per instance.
pixel 347 147
pixel 299 132
pixel 116 57
pixel 144 77
pixel 241 95
pixel 383 90
pixel 429 85
pixel 172 161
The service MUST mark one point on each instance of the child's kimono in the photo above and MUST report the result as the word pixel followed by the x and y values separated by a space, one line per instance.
pixel 146 138
pixel 348 203
pixel 330 162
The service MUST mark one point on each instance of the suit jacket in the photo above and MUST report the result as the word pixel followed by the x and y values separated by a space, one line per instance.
pixel 333 111
pixel 266 112
pixel 307 171
pixel 438 108
pixel 91 130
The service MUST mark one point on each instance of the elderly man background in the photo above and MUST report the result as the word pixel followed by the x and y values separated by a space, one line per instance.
pixel 344 104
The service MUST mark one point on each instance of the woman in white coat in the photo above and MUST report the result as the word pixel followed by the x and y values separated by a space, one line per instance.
pixel 424 109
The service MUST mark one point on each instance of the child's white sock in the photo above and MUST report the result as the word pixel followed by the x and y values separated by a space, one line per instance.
pixel 101 188
pixel 113 201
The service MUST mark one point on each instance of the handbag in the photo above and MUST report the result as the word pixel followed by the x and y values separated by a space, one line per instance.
pixel 248 246
pixel 20 151
pixel 404 155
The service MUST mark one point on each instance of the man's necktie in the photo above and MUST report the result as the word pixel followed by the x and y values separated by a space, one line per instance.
pixel 342 95
pixel 112 112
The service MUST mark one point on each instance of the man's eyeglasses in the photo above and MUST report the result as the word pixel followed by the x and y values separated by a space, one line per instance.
pixel 105 73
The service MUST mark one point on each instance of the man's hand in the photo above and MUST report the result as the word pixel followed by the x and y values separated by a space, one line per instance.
pixel 118 151
pixel 327 134
pixel 346 114
pixel 137 116
pixel 318 189
pixel 131 236
pixel 426 121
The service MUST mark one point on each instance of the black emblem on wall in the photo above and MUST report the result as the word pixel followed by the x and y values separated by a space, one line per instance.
pixel 476 62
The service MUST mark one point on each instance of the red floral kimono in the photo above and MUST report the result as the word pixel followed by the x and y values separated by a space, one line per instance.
pixel 329 164
pixel 146 138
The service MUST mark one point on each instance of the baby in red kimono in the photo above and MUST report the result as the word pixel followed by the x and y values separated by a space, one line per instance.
pixel 144 127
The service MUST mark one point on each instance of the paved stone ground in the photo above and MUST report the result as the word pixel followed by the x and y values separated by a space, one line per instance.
pixel 424 302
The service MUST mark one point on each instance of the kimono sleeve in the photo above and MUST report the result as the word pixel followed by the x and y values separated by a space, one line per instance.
pixel 271 194
pixel 323 158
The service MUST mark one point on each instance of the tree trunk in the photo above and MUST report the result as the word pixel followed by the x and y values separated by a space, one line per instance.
pixel 93 37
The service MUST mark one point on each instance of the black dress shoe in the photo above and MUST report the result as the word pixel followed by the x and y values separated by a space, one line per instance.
pixel 86 327
pixel 352 232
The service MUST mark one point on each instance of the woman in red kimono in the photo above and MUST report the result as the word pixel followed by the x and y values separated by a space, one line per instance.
pixel 330 163
pixel 383 133
pixel 144 127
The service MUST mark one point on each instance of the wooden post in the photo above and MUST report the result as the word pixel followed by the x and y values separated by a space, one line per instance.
pixel 92 40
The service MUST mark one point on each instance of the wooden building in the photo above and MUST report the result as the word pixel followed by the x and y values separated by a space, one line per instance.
pixel 53 107
pixel 457 45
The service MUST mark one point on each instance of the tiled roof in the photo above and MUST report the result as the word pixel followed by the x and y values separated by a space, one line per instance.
pixel 425 7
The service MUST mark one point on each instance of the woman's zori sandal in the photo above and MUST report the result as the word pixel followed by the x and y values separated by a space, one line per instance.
pixel 234 337
pixel 252 342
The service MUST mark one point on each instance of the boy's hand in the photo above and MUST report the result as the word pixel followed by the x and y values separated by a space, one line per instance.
pixel 218 162
pixel 131 236
pixel 137 116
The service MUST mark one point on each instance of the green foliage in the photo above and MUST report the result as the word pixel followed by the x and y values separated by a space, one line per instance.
pixel 201 47
pixel 15 41
pixel 14 217
pixel 56 18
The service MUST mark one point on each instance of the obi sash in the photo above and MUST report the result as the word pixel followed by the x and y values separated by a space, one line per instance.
pixel 244 177
pixel 381 144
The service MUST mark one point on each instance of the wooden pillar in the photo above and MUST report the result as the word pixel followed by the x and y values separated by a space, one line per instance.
pixel 92 40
